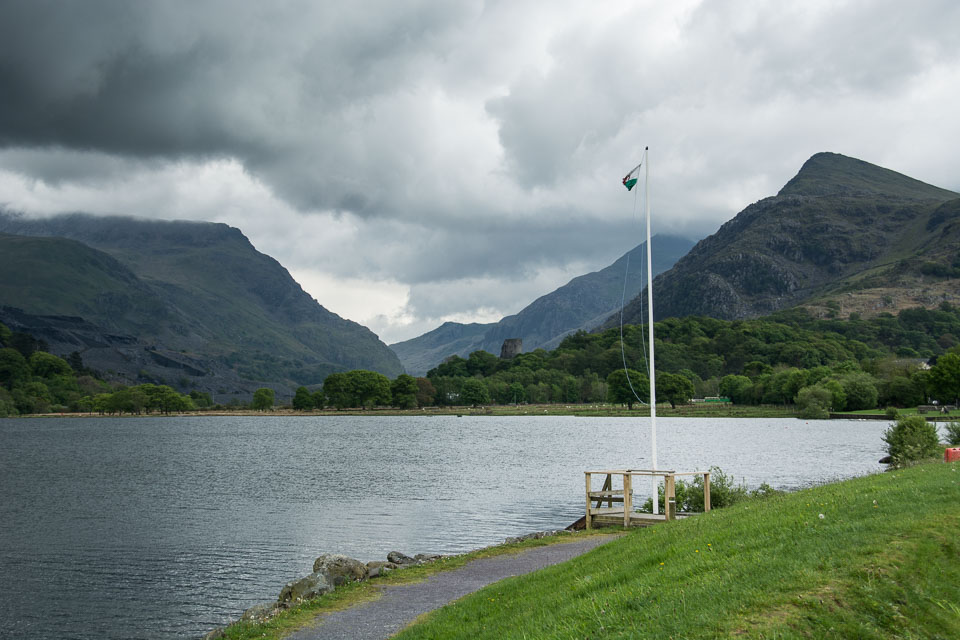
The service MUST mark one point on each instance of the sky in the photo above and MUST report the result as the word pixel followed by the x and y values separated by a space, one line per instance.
pixel 422 161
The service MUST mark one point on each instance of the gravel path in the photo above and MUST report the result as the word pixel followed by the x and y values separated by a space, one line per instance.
pixel 401 604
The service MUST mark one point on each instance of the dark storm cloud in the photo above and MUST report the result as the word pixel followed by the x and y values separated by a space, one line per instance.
pixel 279 88
pixel 432 144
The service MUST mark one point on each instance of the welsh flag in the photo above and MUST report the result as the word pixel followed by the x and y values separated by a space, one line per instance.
pixel 630 180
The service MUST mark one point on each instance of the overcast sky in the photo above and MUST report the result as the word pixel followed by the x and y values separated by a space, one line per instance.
pixel 415 162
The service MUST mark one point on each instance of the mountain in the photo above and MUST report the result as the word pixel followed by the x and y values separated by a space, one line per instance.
pixel 842 235
pixel 583 303
pixel 192 294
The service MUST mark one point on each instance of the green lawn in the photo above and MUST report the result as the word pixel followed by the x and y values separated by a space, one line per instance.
pixel 874 557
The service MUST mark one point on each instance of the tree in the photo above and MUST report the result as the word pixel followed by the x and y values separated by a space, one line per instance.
pixel 426 392
pixel 75 360
pixel 900 391
pixel 861 391
pixel 338 390
pixel 625 385
pixel 813 402
pixel 14 369
pixel 47 365
pixel 912 438
pixel 944 377
pixel 738 388
pixel 482 362
pixel 474 392
pixel 302 400
pixel 403 391
pixel 674 388
pixel 369 388
pixel 262 399
pixel 201 398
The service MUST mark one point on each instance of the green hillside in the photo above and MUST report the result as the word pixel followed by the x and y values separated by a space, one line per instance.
pixel 56 276
pixel 873 558
pixel 197 296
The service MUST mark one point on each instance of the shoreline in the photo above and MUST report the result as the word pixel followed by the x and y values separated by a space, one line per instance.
pixel 530 411
pixel 300 612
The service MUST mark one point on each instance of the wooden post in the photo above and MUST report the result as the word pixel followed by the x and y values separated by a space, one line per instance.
pixel 706 492
pixel 607 486
pixel 627 498
pixel 669 497
pixel 587 517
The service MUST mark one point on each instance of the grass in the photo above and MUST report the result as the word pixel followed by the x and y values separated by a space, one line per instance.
pixel 873 557
pixel 348 595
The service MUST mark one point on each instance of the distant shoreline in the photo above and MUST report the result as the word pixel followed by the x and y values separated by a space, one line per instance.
pixel 534 410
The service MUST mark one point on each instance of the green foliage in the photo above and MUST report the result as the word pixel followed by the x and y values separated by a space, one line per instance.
pixel 623 387
pixel 338 391
pixel 302 400
pixel 403 391
pixel 369 388
pixel 880 563
pixel 7 406
pixel 5 334
pixel 944 377
pixel 674 388
pixel 358 388
pixel 426 392
pixel 474 392
pixel 201 399
pixel 738 388
pixel 45 365
pixel 263 399
pixel 861 391
pixel 910 439
pixel 953 433
pixel 723 493
pixel 814 402
pixel 14 369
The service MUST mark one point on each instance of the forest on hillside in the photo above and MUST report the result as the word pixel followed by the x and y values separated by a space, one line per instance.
pixel 860 363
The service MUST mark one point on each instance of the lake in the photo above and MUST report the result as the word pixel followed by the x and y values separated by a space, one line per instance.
pixel 168 527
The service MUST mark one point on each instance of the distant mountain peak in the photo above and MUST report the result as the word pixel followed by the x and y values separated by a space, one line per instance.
pixel 832 174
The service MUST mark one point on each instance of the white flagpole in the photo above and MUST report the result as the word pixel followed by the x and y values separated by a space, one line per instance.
pixel 653 381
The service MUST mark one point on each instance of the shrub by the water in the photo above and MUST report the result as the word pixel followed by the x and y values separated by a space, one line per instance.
pixel 813 402
pixel 953 433
pixel 912 438
pixel 723 493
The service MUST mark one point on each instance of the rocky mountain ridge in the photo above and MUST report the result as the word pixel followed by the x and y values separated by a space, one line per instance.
pixel 583 303
pixel 842 233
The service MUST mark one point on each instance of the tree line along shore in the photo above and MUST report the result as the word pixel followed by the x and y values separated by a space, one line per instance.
pixel 790 362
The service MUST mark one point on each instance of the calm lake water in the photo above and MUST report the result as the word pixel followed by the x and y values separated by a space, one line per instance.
pixel 168 527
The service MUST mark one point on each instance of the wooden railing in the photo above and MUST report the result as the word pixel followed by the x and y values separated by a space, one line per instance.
pixel 624 496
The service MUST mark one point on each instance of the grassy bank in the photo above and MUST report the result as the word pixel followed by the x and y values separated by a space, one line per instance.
pixel 874 557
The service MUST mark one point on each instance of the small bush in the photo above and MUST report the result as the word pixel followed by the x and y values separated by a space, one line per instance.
pixel 892 412
pixel 910 439
pixel 953 433
pixel 723 493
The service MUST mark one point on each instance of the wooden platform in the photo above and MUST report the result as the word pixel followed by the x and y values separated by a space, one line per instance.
pixel 624 514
